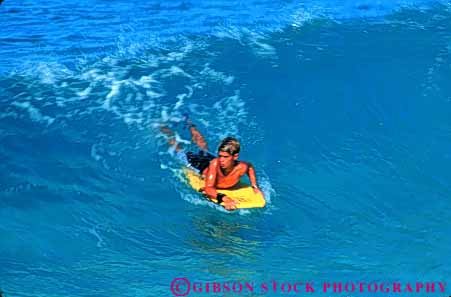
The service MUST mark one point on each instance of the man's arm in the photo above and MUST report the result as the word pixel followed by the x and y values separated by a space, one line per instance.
pixel 210 180
pixel 252 176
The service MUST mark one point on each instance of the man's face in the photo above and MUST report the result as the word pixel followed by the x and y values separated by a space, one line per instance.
pixel 226 160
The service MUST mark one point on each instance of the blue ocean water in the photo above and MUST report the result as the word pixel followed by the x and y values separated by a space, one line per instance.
pixel 343 108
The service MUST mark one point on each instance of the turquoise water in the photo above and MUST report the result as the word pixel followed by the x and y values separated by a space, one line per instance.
pixel 344 110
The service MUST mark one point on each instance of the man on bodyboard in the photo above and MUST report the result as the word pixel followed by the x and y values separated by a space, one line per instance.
pixel 221 172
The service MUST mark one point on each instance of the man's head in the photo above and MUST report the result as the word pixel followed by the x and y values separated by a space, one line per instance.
pixel 228 151
pixel 229 145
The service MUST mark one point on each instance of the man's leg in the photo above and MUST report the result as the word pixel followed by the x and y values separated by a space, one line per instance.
pixel 196 137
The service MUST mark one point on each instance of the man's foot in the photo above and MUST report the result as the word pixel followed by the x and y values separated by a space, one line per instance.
pixel 171 137
pixel 166 130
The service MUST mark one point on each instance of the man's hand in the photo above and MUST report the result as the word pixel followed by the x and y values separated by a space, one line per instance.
pixel 257 190
pixel 228 203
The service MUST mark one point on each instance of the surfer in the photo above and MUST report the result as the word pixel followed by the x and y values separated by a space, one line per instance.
pixel 221 172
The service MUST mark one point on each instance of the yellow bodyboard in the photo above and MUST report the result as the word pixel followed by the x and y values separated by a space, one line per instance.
pixel 242 193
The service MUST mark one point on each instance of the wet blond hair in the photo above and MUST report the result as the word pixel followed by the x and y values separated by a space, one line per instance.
pixel 229 145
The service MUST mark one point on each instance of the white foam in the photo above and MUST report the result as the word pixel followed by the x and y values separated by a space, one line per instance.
pixel 85 93
pixel 232 112
pixel 301 17
pixel 197 199
pixel 94 153
pixel 132 118
pixel 173 71
pixel 114 89
pixel 109 85
pixel 9 115
pixel 50 72
pixel 94 232
pixel 35 114
pixel 266 187
pixel 264 49
pixel 257 41
pixel 180 55
pixel 145 81
pixel 209 73
pixel 153 94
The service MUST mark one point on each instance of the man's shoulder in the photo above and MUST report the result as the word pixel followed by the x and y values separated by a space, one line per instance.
pixel 243 165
